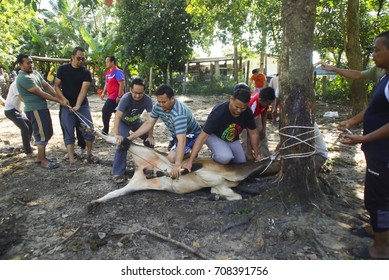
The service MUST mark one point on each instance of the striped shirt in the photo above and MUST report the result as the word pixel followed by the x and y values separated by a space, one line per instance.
pixel 179 120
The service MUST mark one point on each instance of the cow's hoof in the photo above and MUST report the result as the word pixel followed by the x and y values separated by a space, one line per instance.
pixel 92 206
pixel 214 197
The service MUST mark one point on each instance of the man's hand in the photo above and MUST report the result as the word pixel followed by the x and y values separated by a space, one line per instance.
pixel 176 171
pixel 187 165
pixel 258 157
pixel 102 96
pixel 352 139
pixel 119 138
pixel 344 125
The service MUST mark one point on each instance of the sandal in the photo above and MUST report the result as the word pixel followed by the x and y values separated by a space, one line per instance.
pixel 51 165
pixel 73 167
pixel 93 159
pixel 361 232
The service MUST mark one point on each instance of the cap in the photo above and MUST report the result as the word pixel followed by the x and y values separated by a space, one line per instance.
pixel 241 85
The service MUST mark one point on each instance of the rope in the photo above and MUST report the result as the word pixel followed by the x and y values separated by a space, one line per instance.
pixel 299 141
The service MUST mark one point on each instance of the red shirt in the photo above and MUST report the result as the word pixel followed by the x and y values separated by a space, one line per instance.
pixel 255 106
pixel 112 78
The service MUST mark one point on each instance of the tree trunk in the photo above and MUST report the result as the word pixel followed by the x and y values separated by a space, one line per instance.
pixel 297 178
pixel 355 57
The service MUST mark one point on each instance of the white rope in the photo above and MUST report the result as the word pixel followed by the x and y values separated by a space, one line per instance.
pixel 297 137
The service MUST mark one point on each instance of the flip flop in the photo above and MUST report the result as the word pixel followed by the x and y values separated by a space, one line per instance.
pixel 51 165
pixel 360 232
pixel 39 162
pixel 364 254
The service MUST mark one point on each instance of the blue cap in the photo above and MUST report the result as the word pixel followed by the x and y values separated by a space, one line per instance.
pixel 241 85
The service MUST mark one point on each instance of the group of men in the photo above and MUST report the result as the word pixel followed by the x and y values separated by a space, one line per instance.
pixel 243 111
pixel 70 91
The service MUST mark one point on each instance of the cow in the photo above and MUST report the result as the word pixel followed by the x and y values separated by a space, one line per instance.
pixel 152 173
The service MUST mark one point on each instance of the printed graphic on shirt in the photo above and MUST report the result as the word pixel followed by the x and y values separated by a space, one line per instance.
pixel 232 131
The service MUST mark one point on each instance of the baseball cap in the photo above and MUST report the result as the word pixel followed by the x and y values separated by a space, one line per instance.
pixel 241 85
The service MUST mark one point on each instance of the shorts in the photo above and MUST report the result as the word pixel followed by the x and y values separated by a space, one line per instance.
pixel 190 140
pixel 41 125
pixel 377 193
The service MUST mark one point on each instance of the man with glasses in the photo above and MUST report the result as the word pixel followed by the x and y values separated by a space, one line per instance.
pixel 71 84
pixel 128 118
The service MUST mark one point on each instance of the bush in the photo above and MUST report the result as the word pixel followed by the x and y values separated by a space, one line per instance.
pixel 213 86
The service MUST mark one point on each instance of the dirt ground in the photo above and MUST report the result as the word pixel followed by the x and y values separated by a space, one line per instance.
pixel 44 214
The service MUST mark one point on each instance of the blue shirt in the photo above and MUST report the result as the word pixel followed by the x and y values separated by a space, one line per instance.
pixel 179 120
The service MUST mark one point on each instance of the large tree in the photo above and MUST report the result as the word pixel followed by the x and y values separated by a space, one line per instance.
pixel 156 32
pixel 297 176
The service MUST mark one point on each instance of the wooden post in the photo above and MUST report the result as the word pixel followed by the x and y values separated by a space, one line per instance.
pixel 150 80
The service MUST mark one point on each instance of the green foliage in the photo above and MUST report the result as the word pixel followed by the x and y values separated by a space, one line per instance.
pixel 155 32
pixel 215 86
pixel 13 18
pixel 337 89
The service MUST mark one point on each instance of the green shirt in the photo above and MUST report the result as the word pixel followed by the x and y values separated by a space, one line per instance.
pixel 25 82
pixel 374 74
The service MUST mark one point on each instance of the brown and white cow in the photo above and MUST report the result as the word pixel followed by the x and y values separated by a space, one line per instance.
pixel 152 169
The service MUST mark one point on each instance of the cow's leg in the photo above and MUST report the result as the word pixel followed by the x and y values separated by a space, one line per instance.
pixel 135 184
pixel 226 193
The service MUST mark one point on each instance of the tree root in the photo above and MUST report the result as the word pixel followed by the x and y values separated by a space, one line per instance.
pixel 165 238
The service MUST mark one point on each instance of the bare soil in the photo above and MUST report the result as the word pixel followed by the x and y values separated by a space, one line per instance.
pixel 44 213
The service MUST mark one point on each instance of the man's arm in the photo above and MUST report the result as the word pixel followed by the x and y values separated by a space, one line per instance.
pixel 121 88
pixel 145 127
pixel 201 139
pixel 82 94
pixel 39 92
pixel 116 122
pixel 348 73
pixel 58 90
pixel 357 119
pixel 180 152
pixel 254 139
pixel 104 91
pixel 264 120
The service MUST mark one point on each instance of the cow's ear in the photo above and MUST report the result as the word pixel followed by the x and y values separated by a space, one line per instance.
pixel 125 145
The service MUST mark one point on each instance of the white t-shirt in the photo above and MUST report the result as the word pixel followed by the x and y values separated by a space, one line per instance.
pixel 13 101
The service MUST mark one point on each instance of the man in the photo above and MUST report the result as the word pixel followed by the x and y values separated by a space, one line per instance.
pixel 180 121
pixel 13 112
pixel 127 118
pixel 34 91
pixel 71 84
pixel 375 145
pixel 274 83
pixel 222 129
pixel 259 104
pixel 114 87
pixel 374 74
pixel 258 79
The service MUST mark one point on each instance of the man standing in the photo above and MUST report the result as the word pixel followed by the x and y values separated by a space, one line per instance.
pixel 34 91
pixel 72 83
pixel 258 79
pixel 114 87
pixel 13 112
pixel 375 145
pixel 180 121
pixel 127 118
pixel 222 129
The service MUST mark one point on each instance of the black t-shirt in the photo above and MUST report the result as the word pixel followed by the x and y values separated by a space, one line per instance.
pixel 228 128
pixel 71 81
